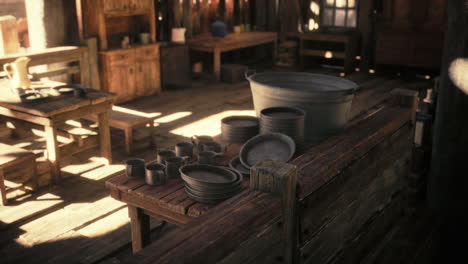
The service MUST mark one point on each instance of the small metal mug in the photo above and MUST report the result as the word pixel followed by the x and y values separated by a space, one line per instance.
pixel 212 146
pixel 173 165
pixel 183 149
pixel 155 174
pixel 163 155
pixel 198 141
pixel 135 168
pixel 210 158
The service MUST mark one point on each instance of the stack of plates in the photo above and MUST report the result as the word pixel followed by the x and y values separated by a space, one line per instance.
pixel 284 120
pixel 210 184
pixel 238 129
pixel 236 165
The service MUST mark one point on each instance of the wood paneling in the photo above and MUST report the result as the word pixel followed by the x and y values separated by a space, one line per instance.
pixel 411 33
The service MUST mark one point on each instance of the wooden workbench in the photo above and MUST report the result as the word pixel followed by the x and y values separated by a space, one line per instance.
pixel 55 110
pixel 230 42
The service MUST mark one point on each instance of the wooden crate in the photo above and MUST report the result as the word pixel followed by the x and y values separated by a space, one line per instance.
pixel 9 42
pixel 233 73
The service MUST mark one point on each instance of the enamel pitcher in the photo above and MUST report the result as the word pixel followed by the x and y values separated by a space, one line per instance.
pixel 17 72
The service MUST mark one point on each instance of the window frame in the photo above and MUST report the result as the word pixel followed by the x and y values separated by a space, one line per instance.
pixel 324 6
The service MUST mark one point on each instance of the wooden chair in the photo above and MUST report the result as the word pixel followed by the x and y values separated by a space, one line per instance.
pixel 13 158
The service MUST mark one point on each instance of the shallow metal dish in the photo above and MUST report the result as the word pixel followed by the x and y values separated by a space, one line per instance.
pixel 271 146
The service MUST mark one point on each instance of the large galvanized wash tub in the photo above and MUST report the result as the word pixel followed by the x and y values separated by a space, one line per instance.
pixel 325 99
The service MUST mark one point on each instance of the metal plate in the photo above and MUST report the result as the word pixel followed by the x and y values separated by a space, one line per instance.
pixel 202 174
pixel 236 165
pixel 272 146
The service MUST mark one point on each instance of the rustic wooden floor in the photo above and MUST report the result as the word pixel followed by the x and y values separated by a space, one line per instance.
pixel 77 221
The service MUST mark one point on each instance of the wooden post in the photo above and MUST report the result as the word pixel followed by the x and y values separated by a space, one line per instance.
pixel 448 184
pixel 280 178
pixel 93 65
pixel 187 17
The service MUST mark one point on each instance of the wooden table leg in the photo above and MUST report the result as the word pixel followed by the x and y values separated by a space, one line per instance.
pixel 275 51
pixel 53 152
pixel 217 64
pixel 152 134
pixel 3 196
pixel 140 226
pixel 128 140
pixel 104 136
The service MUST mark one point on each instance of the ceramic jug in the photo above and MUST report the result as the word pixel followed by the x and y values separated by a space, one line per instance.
pixel 17 72
pixel 178 35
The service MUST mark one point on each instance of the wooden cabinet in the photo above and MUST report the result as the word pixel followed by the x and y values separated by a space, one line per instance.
pixel 131 73
pixel 175 66
pixel 109 20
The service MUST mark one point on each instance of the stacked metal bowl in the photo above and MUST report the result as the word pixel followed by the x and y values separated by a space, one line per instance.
pixel 210 184
pixel 239 129
pixel 284 120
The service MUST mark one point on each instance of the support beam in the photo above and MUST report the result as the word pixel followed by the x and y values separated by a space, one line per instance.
pixel 448 181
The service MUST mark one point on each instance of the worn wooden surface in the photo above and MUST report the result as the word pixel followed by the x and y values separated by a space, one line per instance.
pixel 215 45
pixel 97 227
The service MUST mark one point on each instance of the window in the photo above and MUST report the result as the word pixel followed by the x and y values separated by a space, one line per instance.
pixel 339 13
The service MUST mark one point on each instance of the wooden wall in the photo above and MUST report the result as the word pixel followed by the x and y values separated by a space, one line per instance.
pixel 197 15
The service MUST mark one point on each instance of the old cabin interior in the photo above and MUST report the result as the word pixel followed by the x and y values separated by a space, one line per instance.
pixel 233 131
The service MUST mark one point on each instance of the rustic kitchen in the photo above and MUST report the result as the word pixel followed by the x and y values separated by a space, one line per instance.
pixel 233 131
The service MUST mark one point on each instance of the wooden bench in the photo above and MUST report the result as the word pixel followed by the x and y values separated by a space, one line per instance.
pixel 15 158
pixel 126 120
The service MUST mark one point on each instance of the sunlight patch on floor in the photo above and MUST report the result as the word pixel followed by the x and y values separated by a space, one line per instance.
pixel 66 219
pixel 172 117
pixel 107 224
pixel 134 112
pixel 14 213
pixel 77 169
pixel 210 126
pixel 103 172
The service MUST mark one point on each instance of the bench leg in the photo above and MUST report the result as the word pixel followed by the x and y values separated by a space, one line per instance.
pixel 128 140
pixel 3 197
pixel 152 134
pixel 140 226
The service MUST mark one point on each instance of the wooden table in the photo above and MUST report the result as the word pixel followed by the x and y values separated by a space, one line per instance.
pixel 55 110
pixel 348 55
pixel 168 202
pixel 230 42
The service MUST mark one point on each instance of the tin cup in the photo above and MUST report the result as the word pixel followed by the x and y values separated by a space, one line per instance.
pixel 135 168
pixel 155 174
pixel 184 149
pixel 210 158
pixel 164 154
pixel 173 165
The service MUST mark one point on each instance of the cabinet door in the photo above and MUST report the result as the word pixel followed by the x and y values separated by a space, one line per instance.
pixel 121 81
pixel 147 77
